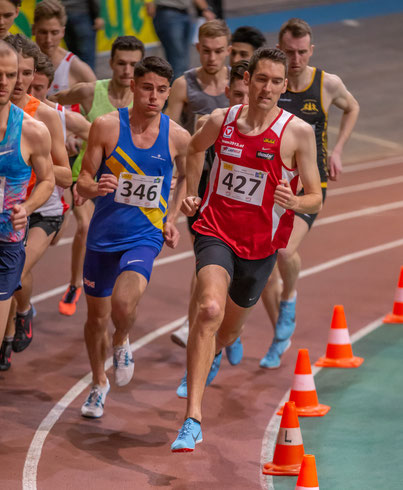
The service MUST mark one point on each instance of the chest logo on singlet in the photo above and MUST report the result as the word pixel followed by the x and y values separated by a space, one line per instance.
pixel 309 107
pixel 269 141
pixel 228 131
pixel 266 156
pixel 231 152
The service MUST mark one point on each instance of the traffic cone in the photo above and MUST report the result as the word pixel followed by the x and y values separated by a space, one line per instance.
pixel 397 314
pixel 303 391
pixel 339 352
pixel 289 447
pixel 308 477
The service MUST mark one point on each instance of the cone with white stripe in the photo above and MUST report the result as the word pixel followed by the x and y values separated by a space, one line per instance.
pixel 308 477
pixel 289 450
pixel 339 352
pixel 397 314
pixel 303 390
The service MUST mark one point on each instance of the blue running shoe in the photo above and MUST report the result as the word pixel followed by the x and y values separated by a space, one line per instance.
pixel 272 359
pixel 182 390
pixel 189 435
pixel 234 352
pixel 285 325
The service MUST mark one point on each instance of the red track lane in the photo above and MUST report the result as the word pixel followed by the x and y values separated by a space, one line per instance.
pixel 129 447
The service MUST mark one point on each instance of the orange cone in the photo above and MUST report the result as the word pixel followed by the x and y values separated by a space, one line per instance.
pixel 289 447
pixel 308 478
pixel 397 314
pixel 339 352
pixel 303 391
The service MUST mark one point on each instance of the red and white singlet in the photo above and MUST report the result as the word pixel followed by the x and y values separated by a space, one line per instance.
pixel 238 206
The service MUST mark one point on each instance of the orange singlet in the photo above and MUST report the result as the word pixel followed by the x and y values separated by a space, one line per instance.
pixel 31 108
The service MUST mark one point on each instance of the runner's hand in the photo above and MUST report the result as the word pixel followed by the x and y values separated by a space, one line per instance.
pixel 107 184
pixel 19 217
pixel 335 166
pixel 283 195
pixel 77 198
pixel 190 205
pixel 171 235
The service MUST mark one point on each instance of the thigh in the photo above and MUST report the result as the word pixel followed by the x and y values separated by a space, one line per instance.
pixel 12 259
pixel 98 310
pixel 101 270
pixel 213 251
pixel 140 260
pixel 250 278
pixel 37 243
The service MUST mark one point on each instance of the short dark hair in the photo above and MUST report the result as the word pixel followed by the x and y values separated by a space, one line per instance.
pixel 272 54
pixel 238 70
pixel 24 46
pixel 127 43
pixel 249 35
pixel 298 28
pixel 16 3
pixel 153 64
pixel 45 67
pixel 49 9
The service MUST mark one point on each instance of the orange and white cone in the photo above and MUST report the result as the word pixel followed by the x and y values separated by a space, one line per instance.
pixel 397 314
pixel 289 450
pixel 339 352
pixel 303 390
pixel 308 477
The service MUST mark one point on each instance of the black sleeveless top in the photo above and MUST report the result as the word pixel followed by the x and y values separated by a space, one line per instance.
pixel 308 106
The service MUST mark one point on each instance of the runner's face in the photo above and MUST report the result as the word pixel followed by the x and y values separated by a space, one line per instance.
pixel 150 93
pixel 122 66
pixel 298 52
pixel 39 86
pixel 238 93
pixel 213 52
pixel 26 71
pixel 239 52
pixel 266 85
pixel 8 13
pixel 48 34
pixel 8 76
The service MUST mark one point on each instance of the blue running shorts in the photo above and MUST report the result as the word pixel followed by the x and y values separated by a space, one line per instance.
pixel 12 260
pixel 101 269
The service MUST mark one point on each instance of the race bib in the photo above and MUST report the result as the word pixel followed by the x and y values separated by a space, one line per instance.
pixel 2 189
pixel 139 190
pixel 241 183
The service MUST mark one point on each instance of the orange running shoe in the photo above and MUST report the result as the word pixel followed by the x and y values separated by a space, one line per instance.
pixel 67 305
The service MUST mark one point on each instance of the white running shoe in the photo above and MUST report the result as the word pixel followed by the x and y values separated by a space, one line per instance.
pixel 94 405
pixel 180 336
pixel 123 363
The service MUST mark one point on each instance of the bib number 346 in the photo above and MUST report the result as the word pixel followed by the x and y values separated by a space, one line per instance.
pixel 241 183
pixel 139 190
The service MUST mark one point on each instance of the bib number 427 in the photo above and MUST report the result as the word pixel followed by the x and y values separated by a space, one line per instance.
pixel 241 183
pixel 139 190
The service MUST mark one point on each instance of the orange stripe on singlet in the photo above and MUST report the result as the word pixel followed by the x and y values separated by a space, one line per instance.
pixel 31 108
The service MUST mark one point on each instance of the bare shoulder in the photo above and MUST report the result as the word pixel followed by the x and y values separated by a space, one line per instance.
pixel 81 72
pixel 34 131
pixel 332 84
pixel 217 116
pixel 178 134
pixel 179 87
pixel 47 115
pixel 299 128
pixel 106 125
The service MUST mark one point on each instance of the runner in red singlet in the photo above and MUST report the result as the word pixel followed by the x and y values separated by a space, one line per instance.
pixel 246 215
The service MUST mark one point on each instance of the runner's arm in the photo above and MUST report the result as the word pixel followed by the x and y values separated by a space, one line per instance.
pixel 39 142
pixel 77 94
pixel 345 101
pixel 100 133
pixel 77 124
pixel 177 99
pixel 81 72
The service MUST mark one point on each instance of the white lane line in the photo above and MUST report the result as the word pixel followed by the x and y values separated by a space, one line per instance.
pixel 271 431
pixel 365 186
pixel 369 139
pixel 357 167
pixel 60 289
pixel 35 449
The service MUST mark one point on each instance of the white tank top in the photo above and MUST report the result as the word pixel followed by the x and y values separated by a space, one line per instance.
pixel 61 80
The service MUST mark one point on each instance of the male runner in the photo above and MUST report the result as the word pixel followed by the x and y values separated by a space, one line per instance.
pixel 199 91
pixel 310 93
pixel 96 99
pixel 131 151
pixel 24 145
pixel 47 219
pixel 244 42
pixel 9 10
pixel 245 217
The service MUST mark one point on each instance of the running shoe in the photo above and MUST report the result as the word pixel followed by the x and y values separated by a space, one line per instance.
pixel 285 325
pixel 5 354
pixel 182 390
pixel 68 304
pixel 180 336
pixel 93 407
pixel 189 435
pixel 234 352
pixel 23 331
pixel 272 359
pixel 123 364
